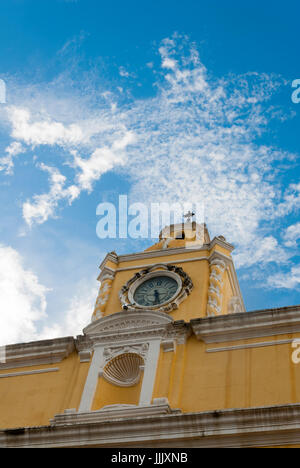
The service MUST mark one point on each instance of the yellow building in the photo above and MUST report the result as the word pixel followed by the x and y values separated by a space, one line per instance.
pixel 170 359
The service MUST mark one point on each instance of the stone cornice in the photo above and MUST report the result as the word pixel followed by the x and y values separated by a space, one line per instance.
pixel 112 257
pixel 222 243
pixel 249 427
pixel 269 322
pixel 167 252
pixel 160 253
pixel 106 272
pixel 37 352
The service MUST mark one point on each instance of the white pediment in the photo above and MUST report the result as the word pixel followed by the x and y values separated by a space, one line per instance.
pixel 140 320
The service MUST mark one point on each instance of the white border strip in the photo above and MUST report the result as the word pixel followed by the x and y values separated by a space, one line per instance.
pixel 37 371
pixel 249 345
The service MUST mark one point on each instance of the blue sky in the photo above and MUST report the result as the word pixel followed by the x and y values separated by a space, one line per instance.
pixel 162 101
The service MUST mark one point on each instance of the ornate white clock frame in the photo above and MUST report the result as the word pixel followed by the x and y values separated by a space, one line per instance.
pixel 184 282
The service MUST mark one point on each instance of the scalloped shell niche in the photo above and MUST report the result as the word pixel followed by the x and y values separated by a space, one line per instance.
pixel 124 370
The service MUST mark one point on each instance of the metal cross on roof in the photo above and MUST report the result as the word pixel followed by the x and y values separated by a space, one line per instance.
pixel 189 215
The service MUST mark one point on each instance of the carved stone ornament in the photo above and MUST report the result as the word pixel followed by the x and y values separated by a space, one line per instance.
pixel 184 282
pixel 124 370
pixel 214 302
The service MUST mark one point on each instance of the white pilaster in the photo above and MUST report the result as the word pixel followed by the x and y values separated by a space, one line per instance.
pixel 150 372
pixel 92 380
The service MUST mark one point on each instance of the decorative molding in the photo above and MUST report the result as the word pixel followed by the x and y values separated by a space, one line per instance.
pixel 141 332
pixel 106 278
pixel 261 344
pixel 185 285
pixel 124 370
pixel 220 240
pixel 248 427
pixel 270 322
pixel 111 257
pixel 115 351
pixel 168 345
pixel 126 327
pixel 103 296
pixel 132 327
pixel 36 371
pixel 173 251
pixel 234 305
pixel 85 355
pixel 37 353
pixel 160 253
pixel 84 347
pixel 149 265
pixel 122 365
pixel 160 406
pixel 214 302
pixel 231 274
pixel 106 272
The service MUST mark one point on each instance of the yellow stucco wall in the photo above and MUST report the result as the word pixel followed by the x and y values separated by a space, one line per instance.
pixel 109 394
pixel 196 380
pixel 192 378
pixel 32 400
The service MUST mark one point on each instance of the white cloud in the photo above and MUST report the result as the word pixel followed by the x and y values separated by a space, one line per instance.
pixel 102 160
pixel 124 73
pixel 90 169
pixel 6 162
pixel 22 299
pixel 290 280
pixel 291 235
pixel 44 206
pixel 291 200
pixel 44 132
pixel 260 252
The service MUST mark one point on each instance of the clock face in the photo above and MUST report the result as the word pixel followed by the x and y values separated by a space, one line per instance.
pixel 155 291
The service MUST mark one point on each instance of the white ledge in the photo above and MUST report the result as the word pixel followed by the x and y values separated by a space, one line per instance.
pixel 248 427
pixel 268 322
pixel 36 352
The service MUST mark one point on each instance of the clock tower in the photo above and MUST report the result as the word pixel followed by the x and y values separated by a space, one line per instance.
pixel 143 313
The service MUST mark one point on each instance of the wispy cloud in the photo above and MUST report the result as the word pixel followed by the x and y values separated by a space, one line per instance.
pixel 7 161
pixel 125 73
pixel 288 280
pixel 43 206
pixel 195 140
pixel 292 235
pixel 44 132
